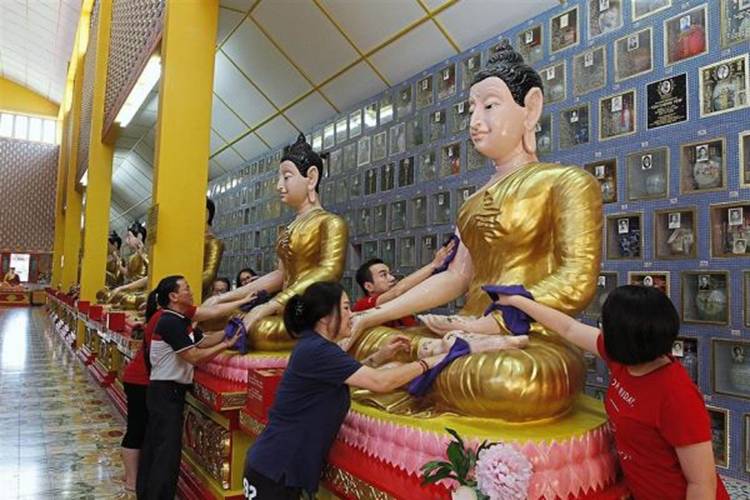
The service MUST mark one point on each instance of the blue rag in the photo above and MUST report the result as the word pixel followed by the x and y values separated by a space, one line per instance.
pixel 451 256
pixel 517 321
pixel 420 385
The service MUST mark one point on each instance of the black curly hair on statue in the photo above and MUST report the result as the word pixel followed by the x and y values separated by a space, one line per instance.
pixel 115 239
pixel 138 229
pixel 302 155
pixel 509 66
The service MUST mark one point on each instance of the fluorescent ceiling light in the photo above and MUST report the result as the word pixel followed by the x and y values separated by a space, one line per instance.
pixel 85 178
pixel 141 90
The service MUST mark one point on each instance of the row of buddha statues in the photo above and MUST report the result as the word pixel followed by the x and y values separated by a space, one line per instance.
pixel 532 224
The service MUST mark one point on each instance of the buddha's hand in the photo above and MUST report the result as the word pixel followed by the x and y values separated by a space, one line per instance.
pixel 442 325
pixel 258 313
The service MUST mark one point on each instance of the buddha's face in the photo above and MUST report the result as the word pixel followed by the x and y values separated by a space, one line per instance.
pixel 498 123
pixel 133 241
pixel 293 187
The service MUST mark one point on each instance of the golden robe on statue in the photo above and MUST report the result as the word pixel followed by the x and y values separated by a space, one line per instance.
pixel 540 226
pixel 311 248
pixel 213 250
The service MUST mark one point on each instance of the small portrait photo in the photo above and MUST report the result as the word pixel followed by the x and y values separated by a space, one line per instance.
pixel 678 348
pixel 601 281
pixel 675 220
pixel 685 22
pixel 599 171
pixel 648 281
pixel 588 59
pixel 603 5
pixel 704 282
pixel 739 247
pixel 738 353
pixel 701 152
pixel 623 226
pixel 633 42
pixel 616 104
pixel 647 162
pixel 735 216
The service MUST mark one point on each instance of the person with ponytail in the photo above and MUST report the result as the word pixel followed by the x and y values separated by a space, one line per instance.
pixel 313 395
pixel 136 374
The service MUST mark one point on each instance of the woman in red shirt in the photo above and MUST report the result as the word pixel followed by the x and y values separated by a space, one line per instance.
pixel 135 379
pixel 660 422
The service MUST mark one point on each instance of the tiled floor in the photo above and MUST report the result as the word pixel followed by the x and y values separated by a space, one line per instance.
pixel 59 435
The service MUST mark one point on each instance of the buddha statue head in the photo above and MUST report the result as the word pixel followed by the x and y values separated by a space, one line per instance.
pixel 115 242
pixel 136 236
pixel 210 211
pixel 505 102
pixel 299 174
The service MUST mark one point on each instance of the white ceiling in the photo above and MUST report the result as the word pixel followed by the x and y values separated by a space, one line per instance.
pixel 284 66
pixel 36 42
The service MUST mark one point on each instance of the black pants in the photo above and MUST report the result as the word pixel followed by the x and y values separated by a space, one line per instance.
pixel 159 464
pixel 137 416
pixel 256 486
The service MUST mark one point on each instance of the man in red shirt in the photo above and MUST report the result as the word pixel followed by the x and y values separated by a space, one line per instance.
pixel 380 286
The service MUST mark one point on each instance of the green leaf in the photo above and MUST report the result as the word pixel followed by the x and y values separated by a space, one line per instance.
pixel 440 474
pixel 456 437
pixel 429 466
pixel 457 456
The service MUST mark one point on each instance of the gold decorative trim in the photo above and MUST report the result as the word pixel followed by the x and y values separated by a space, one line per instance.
pixel 353 486
pixel 251 424
pixel 440 27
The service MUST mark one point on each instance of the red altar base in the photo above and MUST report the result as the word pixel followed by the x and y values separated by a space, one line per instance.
pixel 100 373
pixel 219 395
pixel 15 298
pixel 85 355
pixel 191 487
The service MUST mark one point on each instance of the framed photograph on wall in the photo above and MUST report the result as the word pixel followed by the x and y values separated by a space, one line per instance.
pixel 705 297
pixel 745 158
pixel 404 101
pixel 703 166
pixel 720 435
pixel 724 86
pixel 544 136
pixel 686 35
pixel 634 55
pixel 363 151
pixel 590 70
pixel 564 31
pixel 655 279
pixel 617 115
pixel 574 126
pixel 648 174
pixel 605 172
pixel 645 8
pixel 355 123
pixel 604 16
pixel 735 22
pixel 553 78
pixel 675 232
pixel 470 67
pixel 530 44
pixel 746 301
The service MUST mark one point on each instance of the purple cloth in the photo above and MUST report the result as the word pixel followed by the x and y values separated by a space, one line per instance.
pixel 517 321
pixel 420 385
pixel 451 256
pixel 235 325
pixel 262 297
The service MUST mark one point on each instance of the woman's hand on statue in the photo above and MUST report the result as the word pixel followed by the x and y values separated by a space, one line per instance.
pixel 395 344
pixel 228 343
pixel 504 300
pixel 358 325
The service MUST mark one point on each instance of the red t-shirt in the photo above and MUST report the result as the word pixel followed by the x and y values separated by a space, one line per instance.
pixel 650 416
pixel 369 302
pixel 136 372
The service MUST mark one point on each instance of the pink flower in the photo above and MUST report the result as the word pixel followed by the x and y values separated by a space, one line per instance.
pixel 503 473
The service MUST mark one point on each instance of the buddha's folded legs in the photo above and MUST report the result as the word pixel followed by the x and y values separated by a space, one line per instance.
pixel 269 334
pixel 537 382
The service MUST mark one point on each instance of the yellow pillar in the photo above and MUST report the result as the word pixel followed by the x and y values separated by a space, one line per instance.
pixel 59 242
pixel 73 198
pixel 181 166
pixel 99 188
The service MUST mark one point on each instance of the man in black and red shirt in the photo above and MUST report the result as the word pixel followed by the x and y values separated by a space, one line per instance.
pixel 380 286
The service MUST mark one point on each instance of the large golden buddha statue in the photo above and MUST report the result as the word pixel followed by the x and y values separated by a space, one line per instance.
pixel 311 248
pixel 532 224
pixel 132 294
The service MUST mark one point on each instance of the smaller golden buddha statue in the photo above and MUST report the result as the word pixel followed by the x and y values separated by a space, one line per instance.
pixel 115 274
pixel 11 278
pixel 132 294
pixel 310 248
pixel 213 249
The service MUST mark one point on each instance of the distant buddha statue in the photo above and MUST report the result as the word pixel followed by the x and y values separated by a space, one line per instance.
pixel 115 270
pixel 132 294
pixel 532 224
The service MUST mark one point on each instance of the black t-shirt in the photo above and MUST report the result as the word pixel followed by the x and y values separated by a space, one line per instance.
pixel 173 334
pixel 310 406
